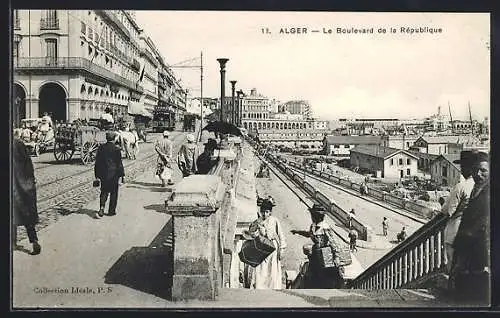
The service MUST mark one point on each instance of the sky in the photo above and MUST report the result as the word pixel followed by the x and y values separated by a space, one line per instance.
pixel 365 75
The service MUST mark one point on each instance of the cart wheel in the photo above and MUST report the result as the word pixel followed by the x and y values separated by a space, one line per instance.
pixel 89 151
pixel 62 152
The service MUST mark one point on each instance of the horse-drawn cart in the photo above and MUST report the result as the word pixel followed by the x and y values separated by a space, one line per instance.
pixel 35 137
pixel 84 139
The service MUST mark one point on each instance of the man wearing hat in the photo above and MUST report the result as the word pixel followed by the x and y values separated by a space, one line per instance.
pixel 108 169
pixel 456 203
pixel 164 149
pixel 186 158
pixel 471 269
pixel 204 163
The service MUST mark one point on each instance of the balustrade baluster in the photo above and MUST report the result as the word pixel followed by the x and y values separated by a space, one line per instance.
pixel 410 266
pixel 432 253
pixel 405 268
pixel 381 279
pixel 415 267
pixel 398 282
pixel 426 256
pixel 439 249
pixel 421 259
pixel 394 274
pixel 389 277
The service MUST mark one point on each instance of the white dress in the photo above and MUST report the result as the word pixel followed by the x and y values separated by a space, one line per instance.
pixel 268 275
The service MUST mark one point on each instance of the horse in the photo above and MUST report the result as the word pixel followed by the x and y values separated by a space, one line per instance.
pixel 130 142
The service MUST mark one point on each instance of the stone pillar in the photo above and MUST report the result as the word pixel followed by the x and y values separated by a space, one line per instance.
pixel 233 108
pixel 222 63
pixel 196 227
pixel 73 109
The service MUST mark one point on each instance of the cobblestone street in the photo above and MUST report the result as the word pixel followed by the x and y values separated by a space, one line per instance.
pixel 64 188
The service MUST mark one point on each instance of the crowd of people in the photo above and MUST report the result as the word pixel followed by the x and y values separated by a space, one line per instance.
pixel 466 235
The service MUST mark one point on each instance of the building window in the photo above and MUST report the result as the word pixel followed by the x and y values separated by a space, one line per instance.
pixel 336 146
pixel 407 172
pixel 392 162
pixel 444 171
pixel 51 49
pixel 400 161
pixel 83 28
pixel 49 20
pixel 408 161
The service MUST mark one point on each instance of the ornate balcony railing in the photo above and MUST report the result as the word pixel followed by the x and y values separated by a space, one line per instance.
pixel 78 63
pixel 417 259
pixel 49 24
pixel 110 16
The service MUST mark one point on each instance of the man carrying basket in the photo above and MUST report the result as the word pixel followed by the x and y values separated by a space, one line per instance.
pixel 327 257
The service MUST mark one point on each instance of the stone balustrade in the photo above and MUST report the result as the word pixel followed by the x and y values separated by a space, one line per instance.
pixel 206 212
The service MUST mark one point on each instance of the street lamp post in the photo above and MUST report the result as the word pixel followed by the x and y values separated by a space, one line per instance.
pixel 222 63
pixel 240 109
pixel 232 115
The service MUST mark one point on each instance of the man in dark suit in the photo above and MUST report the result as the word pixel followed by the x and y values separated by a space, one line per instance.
pixel 24 195
pixel 471 269
pixel 108 169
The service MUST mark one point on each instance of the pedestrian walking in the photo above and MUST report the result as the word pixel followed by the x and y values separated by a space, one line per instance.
pixel 350 217
pixel 25 212
pixel 186 158
pixel 322 235
pixel 471 269
pixel 205 161
pixel 456 203
pixel 353 237
pixel 401 235
pixel 108 169
pixel 164 148
pixel 268 274
pixel 385 226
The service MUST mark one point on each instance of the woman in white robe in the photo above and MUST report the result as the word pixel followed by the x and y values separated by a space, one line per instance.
pixel 268 274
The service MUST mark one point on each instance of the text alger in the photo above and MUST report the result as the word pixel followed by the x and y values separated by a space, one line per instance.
pixel 298 30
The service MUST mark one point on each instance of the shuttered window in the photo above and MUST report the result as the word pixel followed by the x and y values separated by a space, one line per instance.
pixel 51 51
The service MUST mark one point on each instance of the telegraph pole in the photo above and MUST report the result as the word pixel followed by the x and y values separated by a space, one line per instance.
pixel 201 95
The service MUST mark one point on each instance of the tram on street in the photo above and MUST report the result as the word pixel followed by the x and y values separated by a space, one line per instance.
pixel 163 119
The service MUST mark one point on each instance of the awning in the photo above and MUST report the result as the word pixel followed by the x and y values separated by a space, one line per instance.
pixel 137 108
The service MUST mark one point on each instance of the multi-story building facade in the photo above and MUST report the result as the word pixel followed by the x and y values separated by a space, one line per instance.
pixel 299 107
pixel 180 100
pixel 149 72
pixel 293 138
pixel 166 82
pixel 255 106
pixel 75 63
